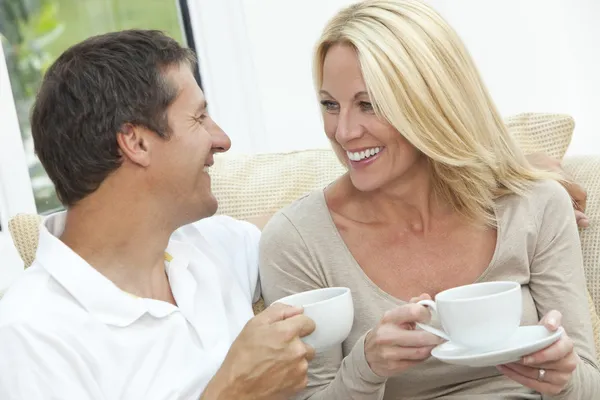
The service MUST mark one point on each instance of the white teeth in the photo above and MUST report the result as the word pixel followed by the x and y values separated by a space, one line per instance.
pixel 356 156
pixel 206 168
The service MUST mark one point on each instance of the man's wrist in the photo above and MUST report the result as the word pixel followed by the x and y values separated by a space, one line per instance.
pixel 218 389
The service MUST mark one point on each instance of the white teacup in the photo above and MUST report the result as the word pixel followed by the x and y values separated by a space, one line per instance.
pixel 480 315
pixel 332 311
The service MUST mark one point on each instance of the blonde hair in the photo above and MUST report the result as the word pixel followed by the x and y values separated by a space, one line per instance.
pixel 422 80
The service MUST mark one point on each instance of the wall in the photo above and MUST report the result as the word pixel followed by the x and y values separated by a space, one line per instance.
pixel 535 55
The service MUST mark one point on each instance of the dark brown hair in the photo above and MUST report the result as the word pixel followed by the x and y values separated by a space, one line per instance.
pixel 89 93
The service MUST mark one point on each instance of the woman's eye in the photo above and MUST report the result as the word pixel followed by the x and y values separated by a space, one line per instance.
pixel 366 106
pixel 329 105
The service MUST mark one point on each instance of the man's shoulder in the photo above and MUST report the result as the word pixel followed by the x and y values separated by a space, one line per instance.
pixel 230 242
pixel 218 231
pixel 33 299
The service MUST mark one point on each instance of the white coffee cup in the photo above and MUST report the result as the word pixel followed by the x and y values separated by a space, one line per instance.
pixel 480 315
pixel 332 311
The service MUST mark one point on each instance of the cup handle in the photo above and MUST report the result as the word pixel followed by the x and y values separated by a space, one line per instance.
pixel 428 328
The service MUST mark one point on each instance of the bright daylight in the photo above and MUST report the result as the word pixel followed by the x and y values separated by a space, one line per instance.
pixel 303 200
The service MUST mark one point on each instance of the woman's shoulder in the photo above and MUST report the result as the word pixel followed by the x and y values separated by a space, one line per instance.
pixel 305 216
pixel 543 192
pixel 542 198
pixel 301 212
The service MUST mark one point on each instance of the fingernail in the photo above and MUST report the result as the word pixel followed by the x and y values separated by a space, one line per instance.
pixel 552 322
pixel 527 360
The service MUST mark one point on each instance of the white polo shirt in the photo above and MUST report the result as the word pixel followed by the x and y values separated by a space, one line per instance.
pixel 67 332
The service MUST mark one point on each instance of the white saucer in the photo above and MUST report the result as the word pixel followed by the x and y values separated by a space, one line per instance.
pixel 526 340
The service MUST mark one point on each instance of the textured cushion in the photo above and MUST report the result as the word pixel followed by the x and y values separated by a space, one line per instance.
pixel 24 229
pixel 255 186
pixel 586 171
pixel 545 133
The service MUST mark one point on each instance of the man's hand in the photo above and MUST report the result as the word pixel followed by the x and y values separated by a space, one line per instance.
pixel 268 360
pixel 577 193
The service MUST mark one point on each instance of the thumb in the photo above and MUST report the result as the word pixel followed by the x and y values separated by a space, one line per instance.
pixel 552 320
pixel 279 312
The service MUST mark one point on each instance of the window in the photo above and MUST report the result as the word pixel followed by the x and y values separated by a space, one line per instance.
pixel 34 32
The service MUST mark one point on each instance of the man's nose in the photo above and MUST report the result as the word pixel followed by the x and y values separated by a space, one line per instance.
pixel 221 142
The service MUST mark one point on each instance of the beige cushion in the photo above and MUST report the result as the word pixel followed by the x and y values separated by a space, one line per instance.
pixel 586 171
pixel 24 229
pixel 250 186
pixel 546 133
pixel 253 187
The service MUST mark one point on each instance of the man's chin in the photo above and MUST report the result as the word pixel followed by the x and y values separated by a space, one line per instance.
pixel 209 206
pixel 200 210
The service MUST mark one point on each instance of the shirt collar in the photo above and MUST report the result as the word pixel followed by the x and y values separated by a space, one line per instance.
pixel 96 293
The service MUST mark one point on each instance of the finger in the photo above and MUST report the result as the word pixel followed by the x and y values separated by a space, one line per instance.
pixel 423 296
pixel 567 364
pixel 310 352
pixel 393 335
pixel 553 377
pixel 552 320
pixel 408 313
pixel 582 219
pixel 296 326
pixel 541 387
pixel 555 352
pixel 578 194
pixel 396 353
pixel 279 312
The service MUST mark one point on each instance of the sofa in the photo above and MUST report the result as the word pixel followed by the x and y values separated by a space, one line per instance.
pixel 254 186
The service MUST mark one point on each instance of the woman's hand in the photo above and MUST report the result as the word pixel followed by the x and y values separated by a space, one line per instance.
pixel 577 193
pixel 547 371
pixel 394 345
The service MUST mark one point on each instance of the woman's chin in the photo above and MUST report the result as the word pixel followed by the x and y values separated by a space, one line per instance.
pixel 364 183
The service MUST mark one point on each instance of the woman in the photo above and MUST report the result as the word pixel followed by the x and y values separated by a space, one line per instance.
pixel 437 195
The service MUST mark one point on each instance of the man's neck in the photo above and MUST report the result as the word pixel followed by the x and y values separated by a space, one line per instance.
pixel 124 241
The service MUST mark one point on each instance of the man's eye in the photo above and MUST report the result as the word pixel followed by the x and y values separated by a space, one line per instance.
pixel 200 119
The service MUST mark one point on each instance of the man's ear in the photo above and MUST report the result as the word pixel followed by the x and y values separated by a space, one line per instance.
pixel 134 144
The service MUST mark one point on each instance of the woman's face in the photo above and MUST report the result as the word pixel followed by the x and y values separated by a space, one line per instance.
pixel 374 151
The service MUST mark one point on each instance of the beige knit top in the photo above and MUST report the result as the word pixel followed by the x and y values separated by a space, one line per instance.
pixel 537 246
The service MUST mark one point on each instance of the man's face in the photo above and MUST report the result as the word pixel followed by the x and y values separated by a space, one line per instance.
pixel 179 164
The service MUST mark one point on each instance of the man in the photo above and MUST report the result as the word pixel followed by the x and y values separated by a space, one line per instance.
pixel 128 297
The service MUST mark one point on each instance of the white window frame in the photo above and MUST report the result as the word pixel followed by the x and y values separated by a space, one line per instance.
pixel 227 70
pixel 16 193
